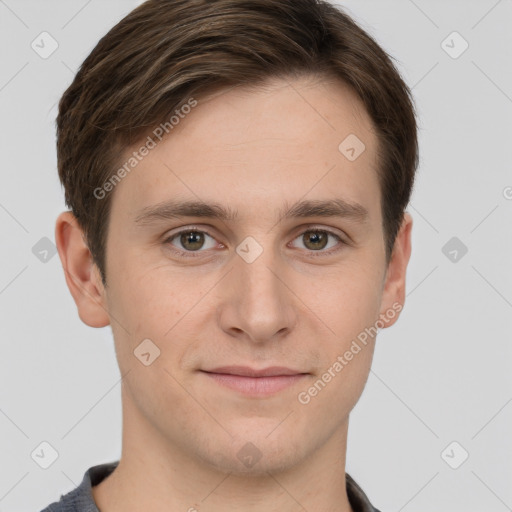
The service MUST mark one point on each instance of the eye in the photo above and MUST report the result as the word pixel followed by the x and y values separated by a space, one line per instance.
pixel 191 240
pixel 316 239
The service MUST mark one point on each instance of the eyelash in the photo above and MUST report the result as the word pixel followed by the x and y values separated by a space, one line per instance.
pixel 314 254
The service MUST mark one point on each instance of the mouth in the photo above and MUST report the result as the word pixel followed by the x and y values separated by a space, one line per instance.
pixel 253 382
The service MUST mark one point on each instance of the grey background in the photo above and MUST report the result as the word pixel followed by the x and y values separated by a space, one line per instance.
pixel 441 374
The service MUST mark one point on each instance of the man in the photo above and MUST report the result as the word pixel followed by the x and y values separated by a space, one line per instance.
pixel 237 174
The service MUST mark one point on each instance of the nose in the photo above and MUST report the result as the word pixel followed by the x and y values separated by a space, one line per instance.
pixel 256 303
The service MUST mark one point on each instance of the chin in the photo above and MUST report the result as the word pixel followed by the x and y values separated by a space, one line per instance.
pixel 259 450
pixel 249 461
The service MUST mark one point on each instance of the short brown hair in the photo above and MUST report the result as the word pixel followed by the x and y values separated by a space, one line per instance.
pixel 167 51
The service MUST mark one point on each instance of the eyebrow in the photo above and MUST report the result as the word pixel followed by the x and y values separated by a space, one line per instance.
pixel 174 209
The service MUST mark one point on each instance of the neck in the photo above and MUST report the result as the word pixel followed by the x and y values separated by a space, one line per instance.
pixel 155 474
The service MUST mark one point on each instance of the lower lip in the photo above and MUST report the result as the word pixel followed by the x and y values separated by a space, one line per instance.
pixel 256 386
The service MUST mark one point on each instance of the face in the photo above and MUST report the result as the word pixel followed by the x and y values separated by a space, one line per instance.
pixel 267 285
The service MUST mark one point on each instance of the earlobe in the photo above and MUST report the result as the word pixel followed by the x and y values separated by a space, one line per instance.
pixel 393 295
pixel 80 271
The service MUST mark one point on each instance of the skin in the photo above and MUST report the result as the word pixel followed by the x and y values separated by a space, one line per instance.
pixel 256 151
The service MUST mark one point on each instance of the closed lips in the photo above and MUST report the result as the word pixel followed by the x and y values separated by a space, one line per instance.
pixel 245 371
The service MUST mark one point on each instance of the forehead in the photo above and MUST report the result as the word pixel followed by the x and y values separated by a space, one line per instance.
pixel 256 149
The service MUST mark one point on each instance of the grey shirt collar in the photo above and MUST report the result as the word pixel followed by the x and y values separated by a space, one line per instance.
pixel 81 498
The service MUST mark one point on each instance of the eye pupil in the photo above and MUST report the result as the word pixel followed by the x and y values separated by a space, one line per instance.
pixel 315 237
pixel 314 240
pixel 191 237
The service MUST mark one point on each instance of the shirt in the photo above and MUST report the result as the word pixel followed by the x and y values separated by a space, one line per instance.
pixel 82 500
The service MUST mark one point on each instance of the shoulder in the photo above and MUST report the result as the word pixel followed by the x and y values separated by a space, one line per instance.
pixel 357 497
pixel 81 499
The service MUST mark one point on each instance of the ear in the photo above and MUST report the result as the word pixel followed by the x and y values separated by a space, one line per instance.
pixel 82 275
pixel 393 295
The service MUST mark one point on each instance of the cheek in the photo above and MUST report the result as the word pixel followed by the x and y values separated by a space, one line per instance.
pixel 347 300
pixel 144 297
pixel 338 385
pixel 338 388
pixel 167 308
